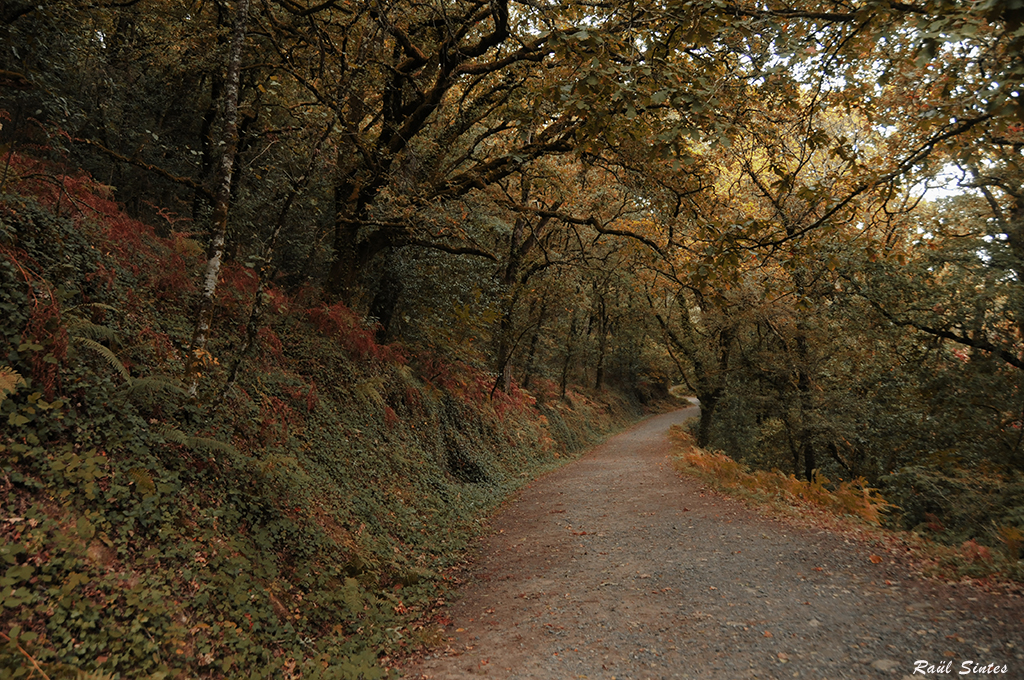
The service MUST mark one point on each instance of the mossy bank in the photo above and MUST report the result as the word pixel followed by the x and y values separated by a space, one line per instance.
pixel 295 519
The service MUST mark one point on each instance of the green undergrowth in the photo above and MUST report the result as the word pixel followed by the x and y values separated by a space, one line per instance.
pixel 964 501
pixel 297 524
pixel 844 497
pixel 974 517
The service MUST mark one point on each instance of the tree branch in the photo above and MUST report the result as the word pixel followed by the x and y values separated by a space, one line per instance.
pixel 977 343
pixel 453 250
pixel 184 181
pixel 594 222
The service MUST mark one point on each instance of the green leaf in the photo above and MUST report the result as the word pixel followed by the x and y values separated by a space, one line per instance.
pixel 85 528
pixel 16 419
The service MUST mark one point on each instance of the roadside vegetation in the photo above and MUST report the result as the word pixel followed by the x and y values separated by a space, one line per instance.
pixel 296 519
pixel 851 506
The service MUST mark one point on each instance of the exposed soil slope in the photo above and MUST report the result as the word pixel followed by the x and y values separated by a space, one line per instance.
pixel 615 567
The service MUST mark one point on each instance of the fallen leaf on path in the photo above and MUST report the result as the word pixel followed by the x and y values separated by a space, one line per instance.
pixel 768 633
pixel 875 559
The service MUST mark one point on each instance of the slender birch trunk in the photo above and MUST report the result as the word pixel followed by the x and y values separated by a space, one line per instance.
pixel 199 357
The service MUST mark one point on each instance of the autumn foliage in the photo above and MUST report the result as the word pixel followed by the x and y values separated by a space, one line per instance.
pixel 849 497
pixel 334 479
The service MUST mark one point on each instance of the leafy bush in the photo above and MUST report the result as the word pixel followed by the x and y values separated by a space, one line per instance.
pixel 953 505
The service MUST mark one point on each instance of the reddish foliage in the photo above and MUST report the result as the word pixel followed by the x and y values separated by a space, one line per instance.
pixel 102 276
pixel 79 196
pixel 312 398
pixel 307 294
pixel 44 324
pixel 340 322
pixel 133 304
pixel 278 301
pixel 161 343
pixel 473 386
pixel 514 400
pixel 438 373
pixel 276 420
pixel 546 390
pixel 133 243
pixel 237 283
pixel 413 399
pixel 933 522
pixel 303 395
pixel 171 278
pixel 44 327
pixel 976 552
pixel 390 417
pixel 269 339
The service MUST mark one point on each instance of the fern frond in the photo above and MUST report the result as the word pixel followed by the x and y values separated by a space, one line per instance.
pixel 105 353
pixel 152 385
pixel 90 305
pixel 82 675
pixel 87 329
pixel 407 375
pixel 176 436
pixel 143 480
pixel 209 444
pixel 369 391
pixel 172 434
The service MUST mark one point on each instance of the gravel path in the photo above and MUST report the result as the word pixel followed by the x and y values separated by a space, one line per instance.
pixel 616 567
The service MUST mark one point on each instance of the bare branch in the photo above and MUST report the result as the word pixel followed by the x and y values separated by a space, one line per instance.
pixel 184 181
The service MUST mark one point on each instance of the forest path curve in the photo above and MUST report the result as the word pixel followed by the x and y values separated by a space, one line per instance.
pixel 615 567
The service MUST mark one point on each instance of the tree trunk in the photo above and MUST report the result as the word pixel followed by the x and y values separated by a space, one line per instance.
pixel 343 279
pixel 534 341
pixel 199 357
pixel 810 464
pixel 503 360
pixel 569 347
pixel 353 252
pixel 385 302
pixel 602 342
pixel 708 404
pixel 265 272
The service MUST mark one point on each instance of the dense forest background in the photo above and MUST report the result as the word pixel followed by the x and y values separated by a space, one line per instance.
pixel 292 290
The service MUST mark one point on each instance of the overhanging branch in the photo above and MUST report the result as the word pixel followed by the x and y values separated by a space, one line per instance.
pixel 184 181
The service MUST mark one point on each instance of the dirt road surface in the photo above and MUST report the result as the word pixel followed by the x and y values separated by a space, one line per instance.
pixel 616 567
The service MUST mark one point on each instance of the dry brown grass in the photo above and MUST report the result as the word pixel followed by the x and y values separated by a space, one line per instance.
pixel 847 497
